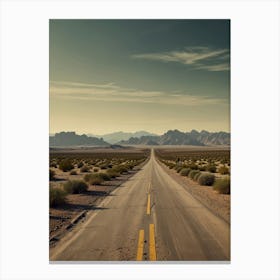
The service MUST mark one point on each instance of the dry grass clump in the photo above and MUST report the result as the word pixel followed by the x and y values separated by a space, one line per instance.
pixel 85 168
pixel 223 170
pixel 73 172
pixel 185 171
pixel 75 186
pixel 104 166
pixel 196 176
pixel 206 179
pixel 112 173
pixel 130 165
pixel 222 185
pixel 171 166
pixel 96 178
pixel 201 168
pixel 57 197
pixel 120 168
pixel 66 165
pixel 178 168
pixel 104 176
pixel 193 173
pixel 211 168
pixel 192 166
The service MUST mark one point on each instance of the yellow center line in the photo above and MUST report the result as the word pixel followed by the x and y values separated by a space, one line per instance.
pixel 149 188
pixel 149 205
pixel 152 247
pixel 140 247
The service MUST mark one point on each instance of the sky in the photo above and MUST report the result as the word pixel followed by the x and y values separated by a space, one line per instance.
pixel 131 75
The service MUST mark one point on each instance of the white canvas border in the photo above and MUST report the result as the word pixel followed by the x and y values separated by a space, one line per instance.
pixel 254 128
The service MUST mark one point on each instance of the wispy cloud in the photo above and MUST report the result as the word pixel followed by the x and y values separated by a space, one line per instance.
pixel 109 92
pixel 198 57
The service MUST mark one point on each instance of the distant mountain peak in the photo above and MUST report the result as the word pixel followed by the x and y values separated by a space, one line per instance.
pixel 177 137
pixel 70 138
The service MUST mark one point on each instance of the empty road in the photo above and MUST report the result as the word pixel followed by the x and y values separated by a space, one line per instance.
pixel 149 218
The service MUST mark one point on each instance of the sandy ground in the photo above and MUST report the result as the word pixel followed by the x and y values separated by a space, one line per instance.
pixel 219 204
pixel 61 217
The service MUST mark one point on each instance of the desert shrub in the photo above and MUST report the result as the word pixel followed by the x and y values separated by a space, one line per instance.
pixel 93 179
pixel 185 171
pixel 57 197
pixel 113 173
pixel 104 176
pixel 206 179
pixel 178 169
pixel 120 168
pixel 80 164
pixel 211 168
pixel 222 185
pixel 95 169
pixel 224 161
pixel 66 165
pixel 171 165
pixel 53 164
pixel 192 173
pixel 85 168
pixel 52 174
pixel 129 166
pixel 87 177
pixel 201 168
pixel 75 186
pixel 195 177
pixel 193 166
pixel 73 172
pixel 223 170
pixel 103 166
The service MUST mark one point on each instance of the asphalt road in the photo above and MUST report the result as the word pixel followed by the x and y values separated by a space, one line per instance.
pixel 149 218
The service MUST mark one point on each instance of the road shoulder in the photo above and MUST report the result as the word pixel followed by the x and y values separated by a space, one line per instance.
pixel 219 204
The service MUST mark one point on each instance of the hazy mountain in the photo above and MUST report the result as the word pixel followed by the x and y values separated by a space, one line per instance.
pixel 214 138
pixel 143 140
pixel 72 139
pixel 176 137
pixel 116 137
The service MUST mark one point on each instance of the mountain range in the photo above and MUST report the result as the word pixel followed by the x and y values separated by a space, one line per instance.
pixel 171 137
pixel 176 137
pixel 116 137
pixel 72 139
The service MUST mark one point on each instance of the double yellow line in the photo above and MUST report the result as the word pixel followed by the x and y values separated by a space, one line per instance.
pixel 152 241
pixel 152 246
pixel 140 247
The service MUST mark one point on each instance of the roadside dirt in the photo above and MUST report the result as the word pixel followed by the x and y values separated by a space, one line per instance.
pixel 219 204
pixel 61 218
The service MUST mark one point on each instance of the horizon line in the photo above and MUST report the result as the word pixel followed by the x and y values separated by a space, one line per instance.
pixel 156 134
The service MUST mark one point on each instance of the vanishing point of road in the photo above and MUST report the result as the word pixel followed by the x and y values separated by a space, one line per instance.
pixel 150 217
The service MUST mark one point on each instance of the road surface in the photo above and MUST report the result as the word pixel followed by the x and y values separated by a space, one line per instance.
pixel 151 217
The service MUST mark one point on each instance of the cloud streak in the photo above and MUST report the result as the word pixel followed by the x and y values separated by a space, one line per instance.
pixel 110 92
pixel 200 58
